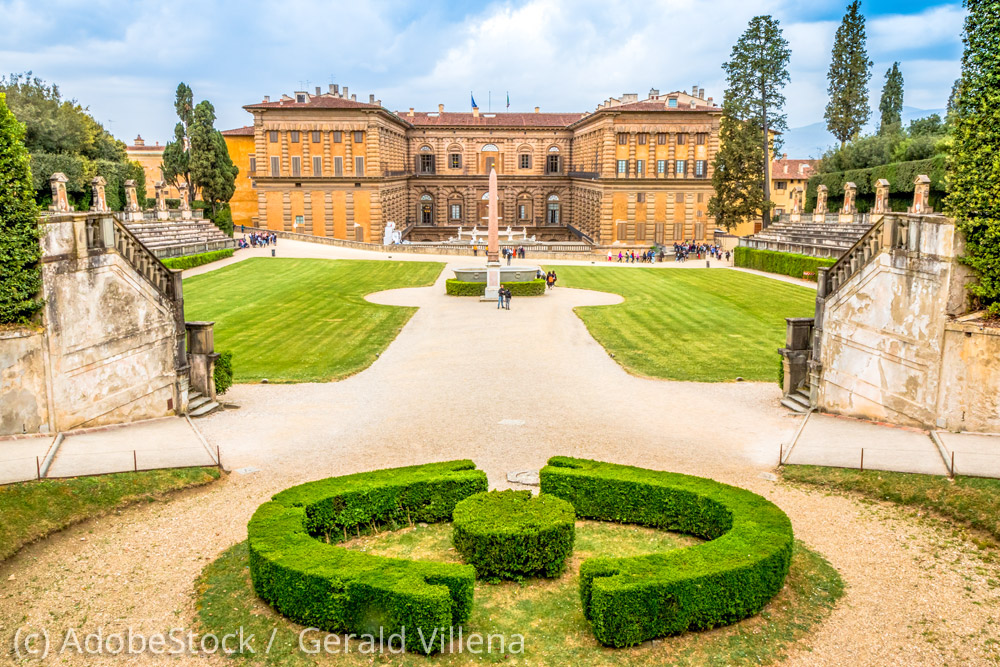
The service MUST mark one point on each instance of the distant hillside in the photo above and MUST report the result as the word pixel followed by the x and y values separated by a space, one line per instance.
pixel 810 141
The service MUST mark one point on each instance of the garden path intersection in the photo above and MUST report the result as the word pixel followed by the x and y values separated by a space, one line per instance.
pixel 507 390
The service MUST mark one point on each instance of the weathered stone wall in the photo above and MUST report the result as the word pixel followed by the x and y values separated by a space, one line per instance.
pixel 970 378
pixel 22 382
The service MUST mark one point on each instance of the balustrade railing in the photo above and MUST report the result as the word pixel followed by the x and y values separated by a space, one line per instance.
pixel 105 232
pixel 852 261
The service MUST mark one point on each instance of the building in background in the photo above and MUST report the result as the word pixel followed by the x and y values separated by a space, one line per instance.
pixel 786 176
pixel 151 159
pixel 631 171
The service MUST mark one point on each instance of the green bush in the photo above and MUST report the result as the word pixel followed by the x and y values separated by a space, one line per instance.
pixel 785 263
pixel 191 261
pixel 900 175
pixel 631 600
pixel 462 288
pixel 295 566
pixel 223 372
pixel 513 534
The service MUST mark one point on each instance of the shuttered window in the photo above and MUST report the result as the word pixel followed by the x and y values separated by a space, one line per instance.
pixel 525 160
pixel 316 137
pixel 338 166
pixel 295 136
pixel 359 166
pixel 275 165
pixel 296 166
pixel 317 165
pixel 338 136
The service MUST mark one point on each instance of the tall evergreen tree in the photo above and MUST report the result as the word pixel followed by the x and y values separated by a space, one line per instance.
pixel 176 158
pixel 20 252
pixel 973 168
pixel 212 170
pixel 850 71
pixel 956 90
pixel 891 104
pixel 752 121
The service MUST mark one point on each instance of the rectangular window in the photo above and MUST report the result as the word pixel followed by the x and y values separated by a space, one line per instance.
pixel 642 139
pixel 622 139
pixel 780 185
pixel 359 137
pixel 338 166
pixel 253 163
pixel 672 103
pixel 456 211
pixel 295 136
pixel 552 165
pixel 640 168
pixel 679 231
pixel 359 166
pixel 700 138
pixel 455 160
pixel 316 136
pixel 661 166
pixel 681 164
pixel 522 212
pixel 275 165
pixel 338 136
pixel 640 197
pixel 622 166
pixel 701 197
pixel 525 160
pixel 679 198
pixel 272 136
pixel 426 164
pixel 699 168
pixel 300 221
pixel 296 166
pixel 661 138
pixel 621 231
pixel 317 165
pixel 640 231
pixel 681 139
pixel 699 231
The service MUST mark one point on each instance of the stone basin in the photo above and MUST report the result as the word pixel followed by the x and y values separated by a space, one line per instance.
pixel 508 274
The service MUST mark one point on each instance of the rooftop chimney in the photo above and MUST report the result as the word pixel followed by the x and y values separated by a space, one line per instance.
pixel 331 89
pixel 335 87
pixel 139 141
pixel 345 91
pixel 653 92
pixel 371 98
pixel 710 101
pixel 475 112
pixel 411 113
pixel 318 90
pixel 440 108
pixel 701 93
pixel 354 97
pixel 536 109
pixel 694 90
pixel 267 98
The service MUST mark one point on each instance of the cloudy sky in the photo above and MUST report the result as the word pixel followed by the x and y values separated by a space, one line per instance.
pixel 124 59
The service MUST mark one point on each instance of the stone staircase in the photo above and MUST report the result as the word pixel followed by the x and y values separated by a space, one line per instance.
pixel 174 238
pixel 798 400
pixel 200 405
pixel 806 237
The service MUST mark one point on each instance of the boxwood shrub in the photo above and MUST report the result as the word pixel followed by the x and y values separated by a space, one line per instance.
pixel 223 373
pixel 731 577
pixel 462 288
pixel 785 263
pixel 296 566
pixel 514 534
pixel 191 261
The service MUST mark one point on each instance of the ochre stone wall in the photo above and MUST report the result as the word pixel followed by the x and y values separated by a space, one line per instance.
pixel 22 382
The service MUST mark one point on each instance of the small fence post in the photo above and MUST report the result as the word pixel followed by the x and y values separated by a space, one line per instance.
pixel 862 459
pixel 135 462
pixel 781 453
pixel 38 468
pixel 953 465
pixel 218 457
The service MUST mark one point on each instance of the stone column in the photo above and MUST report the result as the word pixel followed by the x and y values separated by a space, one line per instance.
pixel 185 204
pixel 849 208
pixel 881 196
pixel 921 195
pixel 98 202
pixel 60 203
pixel 202 356
pixel 796 213
pixel 819 215
pixel 133 213
pixel 161 201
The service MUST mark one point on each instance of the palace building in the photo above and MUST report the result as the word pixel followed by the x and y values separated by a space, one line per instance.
pixel 631 171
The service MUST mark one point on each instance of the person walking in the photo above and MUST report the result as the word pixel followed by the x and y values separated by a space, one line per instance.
pixel 500 295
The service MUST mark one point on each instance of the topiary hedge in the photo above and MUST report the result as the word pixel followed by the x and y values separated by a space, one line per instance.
pixel 191 261
pixel 295 566
pixel 462 288
pixel 514 534
pixel 785 263
pixel 631 600
pixel 900 175
pixel 223 372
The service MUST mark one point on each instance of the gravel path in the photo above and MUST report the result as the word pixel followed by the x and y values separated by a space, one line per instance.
pixel 509 390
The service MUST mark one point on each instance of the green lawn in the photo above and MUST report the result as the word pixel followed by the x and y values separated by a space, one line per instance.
pixel 703 325
pixel 302 320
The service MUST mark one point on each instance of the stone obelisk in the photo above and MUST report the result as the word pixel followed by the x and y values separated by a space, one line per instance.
pixel 493 242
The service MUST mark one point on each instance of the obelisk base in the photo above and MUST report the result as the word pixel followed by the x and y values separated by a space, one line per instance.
pixel 492 281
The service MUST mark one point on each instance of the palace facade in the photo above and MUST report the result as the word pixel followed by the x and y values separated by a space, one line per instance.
pixel 631 171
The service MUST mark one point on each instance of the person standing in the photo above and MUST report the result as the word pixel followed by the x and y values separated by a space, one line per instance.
pixel 507 295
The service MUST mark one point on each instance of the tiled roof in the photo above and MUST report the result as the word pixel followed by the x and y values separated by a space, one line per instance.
pixel 660 105
pixel 315 102
pixel 144 148
pixel 786 168
pixel 245 131
pixel 485 119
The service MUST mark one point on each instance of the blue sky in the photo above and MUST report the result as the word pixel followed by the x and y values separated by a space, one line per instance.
pixel 124 59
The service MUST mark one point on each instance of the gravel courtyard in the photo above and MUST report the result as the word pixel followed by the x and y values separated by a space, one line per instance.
pixel 509 389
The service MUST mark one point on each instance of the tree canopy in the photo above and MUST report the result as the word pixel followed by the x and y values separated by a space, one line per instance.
pixel 891 104
pixel 850 71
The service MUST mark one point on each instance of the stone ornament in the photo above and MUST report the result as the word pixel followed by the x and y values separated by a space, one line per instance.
pixel 921 195
pixel 881 196
pixel 850 194
pixel 99 203
pixel 131 199
pixel 821 194
pixel 60 203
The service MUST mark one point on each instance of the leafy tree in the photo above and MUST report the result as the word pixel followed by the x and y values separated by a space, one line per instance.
pixel 973 167
pixel 176 163
pixel 212 170
pixel 20 252
pixel 891 104
pixel 850 70
pixel 956 89
pixel 756 74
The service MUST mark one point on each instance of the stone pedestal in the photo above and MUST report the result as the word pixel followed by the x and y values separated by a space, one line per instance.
pixel 201 357
pixel 492 281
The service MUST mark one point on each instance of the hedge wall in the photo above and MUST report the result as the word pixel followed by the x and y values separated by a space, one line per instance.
pixel 462 288
pixel 900 175
pixel 295 566
pixel 223 373
pixel 785 263
pixel 631 600
pixel 191 261
pixel 514 534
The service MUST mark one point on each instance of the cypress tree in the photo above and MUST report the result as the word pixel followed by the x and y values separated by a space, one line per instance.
pixel 973 168
pixel 850 71
pixel 176 158
pixel 891 104
pixel 212 170
pixel 20 252
pixel 756 74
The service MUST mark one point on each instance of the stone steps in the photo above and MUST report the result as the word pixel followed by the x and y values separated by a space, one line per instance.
pixel 200 405
pixel 165 234
pixel 797 401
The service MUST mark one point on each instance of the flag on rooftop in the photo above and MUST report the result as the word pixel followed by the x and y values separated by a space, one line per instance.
pixel 474 105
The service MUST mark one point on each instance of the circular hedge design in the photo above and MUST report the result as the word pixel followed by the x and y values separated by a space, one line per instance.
pixel 514 534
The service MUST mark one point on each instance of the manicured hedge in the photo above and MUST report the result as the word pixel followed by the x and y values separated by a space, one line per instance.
pixel 631 600
pixel 295 566
pixel 785 263
pixel 462 288
pixel 223 372
pixel 900 175
pixel 514 534
pixel 191 261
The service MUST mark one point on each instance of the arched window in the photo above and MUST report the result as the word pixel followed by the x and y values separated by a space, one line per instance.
pixel 425 209
pixel 426 149
pixel 490 147
pixel 552 161
pixel 524 209
pixel 552 210
pixel 553 149
pixel 425 160
pixel 489 160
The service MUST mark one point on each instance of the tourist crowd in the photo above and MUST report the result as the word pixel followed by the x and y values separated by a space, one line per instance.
pixel 258 240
